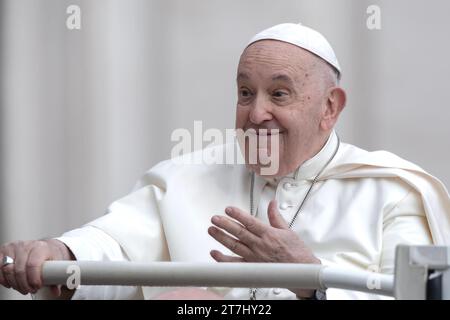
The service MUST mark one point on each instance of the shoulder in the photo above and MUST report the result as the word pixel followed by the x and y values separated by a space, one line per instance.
pixel 378 175
pixel 353 155
pixel 217 162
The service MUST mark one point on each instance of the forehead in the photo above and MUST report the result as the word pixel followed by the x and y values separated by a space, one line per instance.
pixel 273 56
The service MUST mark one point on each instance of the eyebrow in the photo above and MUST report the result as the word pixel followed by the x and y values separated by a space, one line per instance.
pixel 283 77
pixel 276 77
pixel 242 76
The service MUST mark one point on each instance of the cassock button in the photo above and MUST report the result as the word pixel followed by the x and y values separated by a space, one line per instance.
pixel 276 291
pixel 287 185
pixel 284 206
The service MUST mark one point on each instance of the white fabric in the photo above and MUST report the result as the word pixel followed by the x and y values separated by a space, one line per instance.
pixel 357 213
pixel 92 244
pixel 300 36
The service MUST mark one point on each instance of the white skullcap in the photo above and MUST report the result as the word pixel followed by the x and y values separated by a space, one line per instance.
pixel 302 37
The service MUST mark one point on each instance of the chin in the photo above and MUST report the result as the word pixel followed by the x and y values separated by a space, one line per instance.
pixel 265 170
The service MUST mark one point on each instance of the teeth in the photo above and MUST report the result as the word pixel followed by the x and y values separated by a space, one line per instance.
pixel 264 134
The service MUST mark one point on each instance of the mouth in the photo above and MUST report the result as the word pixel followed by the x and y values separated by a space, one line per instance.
pixel 269 134
pixel 264 132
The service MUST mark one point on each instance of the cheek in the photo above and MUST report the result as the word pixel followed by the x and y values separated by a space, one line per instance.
pixel 297 125
pixel 300 120
pixel 242 115
pixel 289 119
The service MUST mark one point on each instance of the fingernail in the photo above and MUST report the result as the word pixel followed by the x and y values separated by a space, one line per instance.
pixel 215 219
pixel 228 210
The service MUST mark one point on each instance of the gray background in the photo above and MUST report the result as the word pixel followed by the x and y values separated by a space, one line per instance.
pixel 84 113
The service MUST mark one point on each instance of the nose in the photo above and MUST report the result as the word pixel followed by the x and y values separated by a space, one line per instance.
pixel 260 111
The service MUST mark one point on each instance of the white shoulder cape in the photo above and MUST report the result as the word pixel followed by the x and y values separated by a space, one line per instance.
pixel 172 195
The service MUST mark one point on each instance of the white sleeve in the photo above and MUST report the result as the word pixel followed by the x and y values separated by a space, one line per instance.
pixel 92 244
pixel 405 223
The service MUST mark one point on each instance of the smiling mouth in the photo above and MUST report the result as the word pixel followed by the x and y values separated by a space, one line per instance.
pixel 267 133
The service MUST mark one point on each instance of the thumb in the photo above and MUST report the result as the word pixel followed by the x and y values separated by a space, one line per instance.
pixel 275 218
pixel 56 290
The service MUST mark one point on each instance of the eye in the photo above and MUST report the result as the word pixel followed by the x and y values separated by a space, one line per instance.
pixel 279 94
pixel 244 92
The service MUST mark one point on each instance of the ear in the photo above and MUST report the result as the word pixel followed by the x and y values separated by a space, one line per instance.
pixel 334 104
pixel 275 218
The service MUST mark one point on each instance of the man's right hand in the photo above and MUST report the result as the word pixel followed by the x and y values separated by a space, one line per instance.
pixel 25 274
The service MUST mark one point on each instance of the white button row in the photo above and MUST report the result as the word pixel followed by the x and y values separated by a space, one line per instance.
pixel 284 206
pixel 289 185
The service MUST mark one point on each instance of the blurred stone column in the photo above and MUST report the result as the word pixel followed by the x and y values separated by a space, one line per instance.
pixel 81 110
pixel 33 118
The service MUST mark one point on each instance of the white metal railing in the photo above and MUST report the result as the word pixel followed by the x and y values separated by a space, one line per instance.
pixel 242 275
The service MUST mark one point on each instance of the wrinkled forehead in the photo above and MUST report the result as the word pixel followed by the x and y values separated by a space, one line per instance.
pixel 266 55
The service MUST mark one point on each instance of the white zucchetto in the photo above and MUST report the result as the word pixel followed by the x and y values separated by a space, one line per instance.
pixel 303 37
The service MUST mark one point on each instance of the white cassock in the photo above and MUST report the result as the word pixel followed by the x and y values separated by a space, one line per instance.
pixel 362 207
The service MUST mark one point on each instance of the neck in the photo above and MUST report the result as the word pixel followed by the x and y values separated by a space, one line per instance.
pixel 312 166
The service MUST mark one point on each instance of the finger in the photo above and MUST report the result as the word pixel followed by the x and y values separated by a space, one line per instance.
pixel 220 257
pixel 3 281
pixel 56 290
pixel 20 271
pixel 10 279
pixel 251 223
pixel 231 243
pixel 275 218
pixel 37 256
pixel 235 229
pixel 8 271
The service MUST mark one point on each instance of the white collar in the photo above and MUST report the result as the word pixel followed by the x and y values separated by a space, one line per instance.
pixel 311 167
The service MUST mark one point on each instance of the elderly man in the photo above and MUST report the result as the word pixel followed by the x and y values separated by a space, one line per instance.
pixel 328 202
